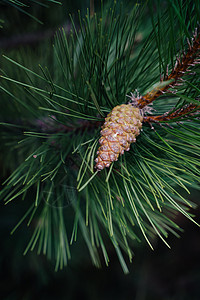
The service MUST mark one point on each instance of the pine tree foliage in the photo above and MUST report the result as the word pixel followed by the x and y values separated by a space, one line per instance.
pixel 19 4
pixel 52 124
pixel 23 5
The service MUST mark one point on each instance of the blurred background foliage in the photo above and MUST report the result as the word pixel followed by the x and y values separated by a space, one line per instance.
pixel 163 274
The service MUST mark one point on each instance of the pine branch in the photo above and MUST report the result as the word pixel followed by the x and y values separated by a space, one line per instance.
pixel 91 8
pixel 182 65
pixel 89 73
pixel 29 38
pixel 179 113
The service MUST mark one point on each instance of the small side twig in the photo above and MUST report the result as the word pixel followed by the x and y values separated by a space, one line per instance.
pixel 179 113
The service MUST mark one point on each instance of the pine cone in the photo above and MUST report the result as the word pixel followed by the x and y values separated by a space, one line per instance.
pixel 120 129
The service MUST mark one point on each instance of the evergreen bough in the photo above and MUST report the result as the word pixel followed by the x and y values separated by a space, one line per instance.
pixel 51 121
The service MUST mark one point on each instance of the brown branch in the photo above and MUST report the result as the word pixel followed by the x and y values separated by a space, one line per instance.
pixel 30 38
pixel 91 8
pixel 182 66
pixel 51 125
pixel 176 114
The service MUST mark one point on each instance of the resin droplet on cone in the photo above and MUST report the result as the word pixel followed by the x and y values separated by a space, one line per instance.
pixel 120 129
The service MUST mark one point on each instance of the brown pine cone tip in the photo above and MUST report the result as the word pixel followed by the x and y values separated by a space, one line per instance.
pixel 120 129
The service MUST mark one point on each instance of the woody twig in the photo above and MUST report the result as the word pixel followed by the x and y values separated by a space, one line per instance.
pixel 181 67
pixel 179 113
